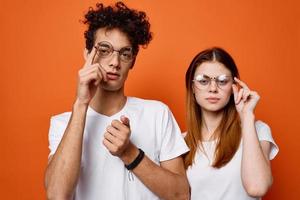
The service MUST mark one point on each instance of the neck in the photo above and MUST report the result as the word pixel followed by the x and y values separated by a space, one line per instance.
pixel 108 102
pixel 211 121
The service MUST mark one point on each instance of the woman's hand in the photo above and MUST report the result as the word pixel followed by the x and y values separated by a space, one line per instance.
pixel 245 99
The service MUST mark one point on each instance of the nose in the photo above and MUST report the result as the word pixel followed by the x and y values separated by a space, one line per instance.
pixel 213 86
pixel 114 60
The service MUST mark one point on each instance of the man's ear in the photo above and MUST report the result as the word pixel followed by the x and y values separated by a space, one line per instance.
pixel 85 54
pixel 133 62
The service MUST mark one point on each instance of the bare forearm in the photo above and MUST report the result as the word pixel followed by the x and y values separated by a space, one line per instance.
pixel 256 171
pixel 162 182
pixel 64 167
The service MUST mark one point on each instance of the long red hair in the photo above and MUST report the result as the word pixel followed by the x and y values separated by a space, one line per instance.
pixel 229 130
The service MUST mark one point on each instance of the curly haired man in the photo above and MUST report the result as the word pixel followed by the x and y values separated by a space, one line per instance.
pixel 114 147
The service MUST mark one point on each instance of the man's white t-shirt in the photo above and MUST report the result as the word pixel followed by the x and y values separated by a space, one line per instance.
pixel 102 175
pixel 225 183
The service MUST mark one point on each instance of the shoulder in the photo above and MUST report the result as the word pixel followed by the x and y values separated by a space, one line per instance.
pixel 260 125
pixel 62 118
pixel 263 130
pixel 264 134
pixel 58 124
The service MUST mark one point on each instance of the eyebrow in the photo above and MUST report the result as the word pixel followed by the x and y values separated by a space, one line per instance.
pixel 212 76
pixel 104 42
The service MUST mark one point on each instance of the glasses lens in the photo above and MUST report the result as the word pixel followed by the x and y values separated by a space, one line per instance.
pixel 201 81
pixel 223 81
pixel 104 49
pixel 126 54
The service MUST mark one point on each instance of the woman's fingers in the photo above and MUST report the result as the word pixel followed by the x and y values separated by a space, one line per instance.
pixel 241 83
pixel 239 96
pixel 235 92
pixel 246 95
pixel 246 92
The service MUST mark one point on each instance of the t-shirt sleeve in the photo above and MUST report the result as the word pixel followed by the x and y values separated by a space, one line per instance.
pixel 57 128
pixel 173 144
pixel 264 134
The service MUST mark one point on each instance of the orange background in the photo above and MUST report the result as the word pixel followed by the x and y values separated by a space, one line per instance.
pixel 41 51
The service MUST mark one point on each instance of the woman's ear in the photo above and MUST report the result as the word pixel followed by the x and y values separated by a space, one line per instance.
pixel 193 88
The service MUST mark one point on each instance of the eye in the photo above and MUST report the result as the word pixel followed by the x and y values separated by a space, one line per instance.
pixel 222 80
pixel 104 50
pixel 203 81
pixel 126 53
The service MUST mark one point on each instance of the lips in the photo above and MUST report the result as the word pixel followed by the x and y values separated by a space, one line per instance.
pixel 112 76
pixel 212 99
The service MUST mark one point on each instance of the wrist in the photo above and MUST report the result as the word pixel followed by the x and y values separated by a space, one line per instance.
pixel 130 153
pixel 136 161
pixel 248 116
pixel 79 105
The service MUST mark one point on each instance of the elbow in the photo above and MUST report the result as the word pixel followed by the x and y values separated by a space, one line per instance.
pixel 179 192
pixel 55 193
pixel 52 195
pixel 180 196
pixel 54 188
pixel 258 189
pixel 56 196
pixel 183 194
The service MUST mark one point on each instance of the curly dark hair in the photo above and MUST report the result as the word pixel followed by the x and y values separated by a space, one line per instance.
pixel 133 23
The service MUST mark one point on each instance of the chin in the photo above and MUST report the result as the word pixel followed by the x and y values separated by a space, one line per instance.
pixel 112 87
pixel 212 107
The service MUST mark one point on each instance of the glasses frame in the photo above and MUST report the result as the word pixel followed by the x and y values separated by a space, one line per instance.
pixel 217 80
pixel 112 50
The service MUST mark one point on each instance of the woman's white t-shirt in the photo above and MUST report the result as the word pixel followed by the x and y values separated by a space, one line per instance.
pixel 225 183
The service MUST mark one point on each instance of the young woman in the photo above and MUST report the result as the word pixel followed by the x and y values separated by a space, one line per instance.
pixel 230 151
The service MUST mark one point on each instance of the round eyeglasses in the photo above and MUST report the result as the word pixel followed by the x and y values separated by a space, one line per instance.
pixel 105 49
pixel 203 81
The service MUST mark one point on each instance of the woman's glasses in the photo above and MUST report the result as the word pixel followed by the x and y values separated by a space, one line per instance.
pixel 203 81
